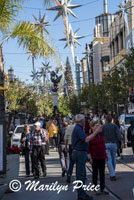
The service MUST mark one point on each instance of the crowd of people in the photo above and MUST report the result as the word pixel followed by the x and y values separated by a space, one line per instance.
pixel 77 141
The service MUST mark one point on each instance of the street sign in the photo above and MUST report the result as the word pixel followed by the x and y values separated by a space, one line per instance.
pixel 83 103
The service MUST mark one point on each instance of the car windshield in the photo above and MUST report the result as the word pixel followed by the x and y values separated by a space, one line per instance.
pixel 21 129
pixel 129 119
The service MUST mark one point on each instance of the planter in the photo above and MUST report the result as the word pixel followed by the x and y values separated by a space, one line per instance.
pixel 3 189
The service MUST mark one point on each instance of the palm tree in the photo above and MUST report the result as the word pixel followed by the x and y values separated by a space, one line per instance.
pixel 27 34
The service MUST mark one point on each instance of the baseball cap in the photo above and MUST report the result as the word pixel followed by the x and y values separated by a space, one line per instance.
pixel 79 117
pixel 37 124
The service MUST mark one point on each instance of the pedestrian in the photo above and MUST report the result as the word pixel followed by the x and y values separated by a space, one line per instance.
pixel 130 134
pixel 119 144
pixel 68 145
pixel 25 147
pixel 111 135
pixel 97 156
pixel 53 131
pixel 63 154
pixel 54 128
pixel 37 140
pixel 79 155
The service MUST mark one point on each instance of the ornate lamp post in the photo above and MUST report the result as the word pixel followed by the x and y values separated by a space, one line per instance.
pixel 11 74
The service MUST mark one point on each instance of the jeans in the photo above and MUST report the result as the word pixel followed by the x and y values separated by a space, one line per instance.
pixel 64 157
pixel 71 162
pixel 99 166
pixel 27 162
pixel 111 150
pixel 80 157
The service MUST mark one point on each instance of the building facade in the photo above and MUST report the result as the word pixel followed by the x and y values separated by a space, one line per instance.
pixel 121 36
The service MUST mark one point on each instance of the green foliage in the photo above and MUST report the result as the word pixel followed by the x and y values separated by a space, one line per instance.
pixel 8 13
pixel 69 78
pixel 64 106
pixel 74 104
pixel 23 98
pixel 113 91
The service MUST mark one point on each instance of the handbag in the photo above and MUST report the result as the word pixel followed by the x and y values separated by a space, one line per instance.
pixel 22 148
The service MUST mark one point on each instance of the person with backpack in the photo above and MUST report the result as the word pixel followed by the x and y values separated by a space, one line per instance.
pixel 37 141
pixel 130 134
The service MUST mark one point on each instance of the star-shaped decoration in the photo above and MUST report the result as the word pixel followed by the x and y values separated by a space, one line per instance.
pixel 124 10
pixel 35 75
pixel 73 40
pixel 41 22
pixel 64 8
pixel 73 37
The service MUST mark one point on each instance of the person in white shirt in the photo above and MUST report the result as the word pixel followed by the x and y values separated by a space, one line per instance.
pixel 68 143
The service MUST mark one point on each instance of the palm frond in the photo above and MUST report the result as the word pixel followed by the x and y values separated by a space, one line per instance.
pixel 8 12
pixel 47 2
pixel 29 37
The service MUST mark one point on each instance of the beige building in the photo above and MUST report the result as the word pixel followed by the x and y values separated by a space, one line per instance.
pixel 101 50
pixel 121 36
pixel 84 71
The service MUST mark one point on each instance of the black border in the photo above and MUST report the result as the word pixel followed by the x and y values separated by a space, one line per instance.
pixel 4 147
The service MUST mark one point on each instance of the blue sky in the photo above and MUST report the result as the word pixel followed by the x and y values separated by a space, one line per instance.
pixel 17 58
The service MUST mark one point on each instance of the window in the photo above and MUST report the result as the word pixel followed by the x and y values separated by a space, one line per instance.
pixel 121 40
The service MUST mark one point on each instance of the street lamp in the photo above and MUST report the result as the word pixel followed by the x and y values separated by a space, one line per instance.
pixel 11 74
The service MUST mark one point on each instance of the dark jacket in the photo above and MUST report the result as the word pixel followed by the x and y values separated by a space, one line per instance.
pixel 130 133
pixel 61 135
pixel 25 146
pixel 111 133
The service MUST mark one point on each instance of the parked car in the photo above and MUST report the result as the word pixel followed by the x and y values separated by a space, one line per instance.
pixel 124 120
pixel 16 136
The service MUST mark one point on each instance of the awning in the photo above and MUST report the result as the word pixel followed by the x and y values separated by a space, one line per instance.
pixel 105 59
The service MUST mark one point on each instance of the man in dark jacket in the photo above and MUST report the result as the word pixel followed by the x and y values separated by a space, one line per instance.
pixel 130 134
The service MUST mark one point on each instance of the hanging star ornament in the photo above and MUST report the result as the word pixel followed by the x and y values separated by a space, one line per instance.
pixel 124 10
pixel 35 75
pixel 73 40
pixel 64 9
pixel 42 23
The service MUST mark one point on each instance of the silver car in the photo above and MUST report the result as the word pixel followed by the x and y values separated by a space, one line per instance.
pixel 15 139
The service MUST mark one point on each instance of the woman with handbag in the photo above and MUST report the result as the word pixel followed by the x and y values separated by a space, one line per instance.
pixel 25 147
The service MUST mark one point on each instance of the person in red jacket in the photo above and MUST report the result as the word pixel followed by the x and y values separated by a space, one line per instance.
pixel 97 156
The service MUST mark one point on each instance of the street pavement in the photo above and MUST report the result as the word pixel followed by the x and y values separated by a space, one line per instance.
pixel 122 188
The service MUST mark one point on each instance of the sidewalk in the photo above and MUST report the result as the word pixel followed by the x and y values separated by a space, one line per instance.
pixel 122 187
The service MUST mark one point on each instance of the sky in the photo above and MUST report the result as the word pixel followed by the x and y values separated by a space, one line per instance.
pixel 17 58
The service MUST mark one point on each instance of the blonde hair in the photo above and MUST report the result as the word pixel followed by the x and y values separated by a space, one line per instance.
pixel 26 126
pixel 93 123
